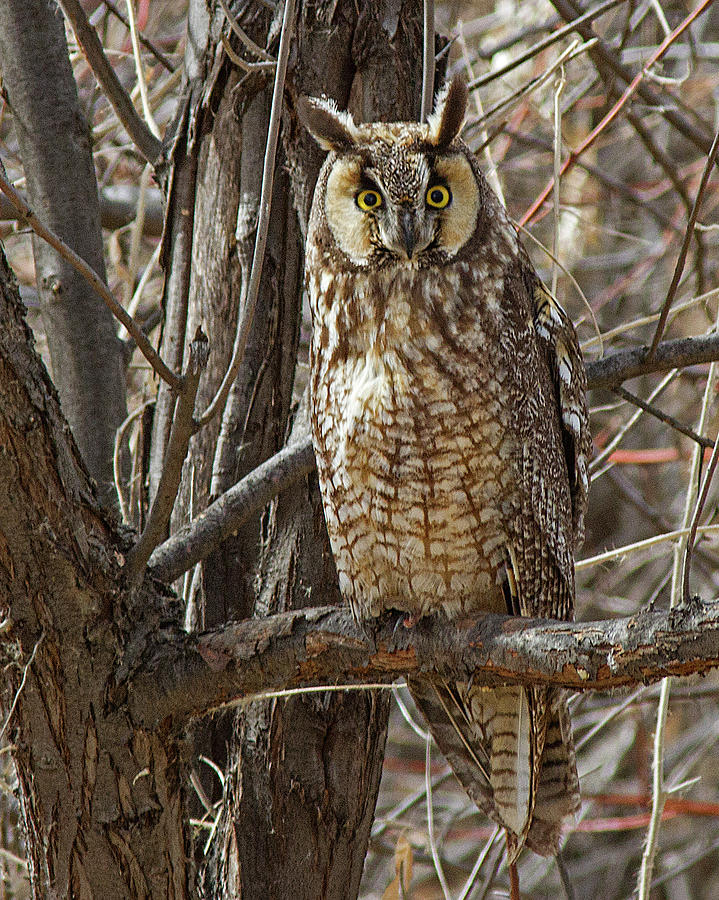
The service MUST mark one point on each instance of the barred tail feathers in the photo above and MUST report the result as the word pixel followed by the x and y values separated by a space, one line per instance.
pixel 489 737
pixel 558 798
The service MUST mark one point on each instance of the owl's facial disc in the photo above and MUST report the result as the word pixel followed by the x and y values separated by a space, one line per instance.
pixel 377 215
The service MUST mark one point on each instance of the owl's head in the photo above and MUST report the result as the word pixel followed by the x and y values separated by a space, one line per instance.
pixel 395 193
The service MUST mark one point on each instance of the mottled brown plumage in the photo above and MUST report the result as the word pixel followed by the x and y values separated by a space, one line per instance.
pixel 450 428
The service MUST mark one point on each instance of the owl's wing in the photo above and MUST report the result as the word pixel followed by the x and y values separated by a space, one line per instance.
pixel 558 342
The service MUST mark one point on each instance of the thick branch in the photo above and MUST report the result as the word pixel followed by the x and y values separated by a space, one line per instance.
pixel 626 364
pixel 193 675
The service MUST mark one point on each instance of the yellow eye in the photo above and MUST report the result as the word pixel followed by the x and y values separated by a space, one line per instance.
pixel 438 196
pixel 368 200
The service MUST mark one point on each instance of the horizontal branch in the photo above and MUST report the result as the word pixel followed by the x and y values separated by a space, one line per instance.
pixel 194 674
pixel 626 364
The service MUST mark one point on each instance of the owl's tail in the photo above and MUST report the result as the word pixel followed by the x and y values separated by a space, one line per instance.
pixel 512 750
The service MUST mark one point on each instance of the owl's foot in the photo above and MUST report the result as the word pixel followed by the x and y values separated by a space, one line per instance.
pixel 405 620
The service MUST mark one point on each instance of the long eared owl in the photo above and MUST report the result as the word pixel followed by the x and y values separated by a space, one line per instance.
pixel 450 427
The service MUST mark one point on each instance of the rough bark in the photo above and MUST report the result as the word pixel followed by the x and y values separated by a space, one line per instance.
pixel 323 645
pixel 54 139
pixel 101 798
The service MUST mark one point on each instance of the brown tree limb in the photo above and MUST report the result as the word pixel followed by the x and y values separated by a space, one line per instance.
pixel 86 36
pixel 626 364
pixel 195 674
pixel 67 253
pixel 212 527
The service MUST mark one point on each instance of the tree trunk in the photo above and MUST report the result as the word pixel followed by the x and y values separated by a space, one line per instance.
pixel 101 797
pixel 54 140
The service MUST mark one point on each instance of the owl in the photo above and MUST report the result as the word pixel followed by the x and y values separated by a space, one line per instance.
pixel 450 427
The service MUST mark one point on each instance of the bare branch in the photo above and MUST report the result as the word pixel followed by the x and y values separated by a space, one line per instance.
pixel 619 367
pixel 158 54
pixel 183 427
pixel 608 65
pixel 679 268
pixel 542 45
pixel 194 674
pixel 87 38
pixel 196 541
pixel 662 416
pixel 67 253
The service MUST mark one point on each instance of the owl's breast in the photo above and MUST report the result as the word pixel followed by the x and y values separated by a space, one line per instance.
pixel 416 470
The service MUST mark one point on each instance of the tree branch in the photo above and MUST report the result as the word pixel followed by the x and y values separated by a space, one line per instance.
pixel 194 674
pixel 88 273
pixel 196 541
pixel 183 427
pixel 87 38
pixel 627 364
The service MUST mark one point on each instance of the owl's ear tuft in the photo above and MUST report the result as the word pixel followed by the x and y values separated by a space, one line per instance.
pixel 447 119
pixel 332 129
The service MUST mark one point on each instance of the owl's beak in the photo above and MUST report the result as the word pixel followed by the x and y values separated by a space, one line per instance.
pixel 406 220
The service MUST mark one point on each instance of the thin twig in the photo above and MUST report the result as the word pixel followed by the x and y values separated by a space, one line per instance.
pixel 68 254
pixel 87 38
pixel 430 820
pixel 158 54
pixel 613 112
pixel 427 60
pixel 609 66
pixel 246 315
pixel 117 454
pixel 557 161
pixel 711 468
pixel 16 698
pixel 662 416
pixel 638 546
pixel 183 427
pixel 622 432
pixel 679 268
pixel 543 44
pixel 141 80
pixel 679 589
pixel 243 36
pixel 242 63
